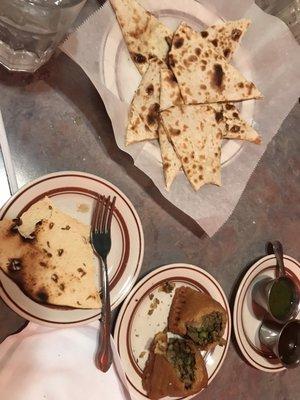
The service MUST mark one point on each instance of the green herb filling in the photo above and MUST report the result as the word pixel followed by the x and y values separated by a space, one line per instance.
pixel 180 355
pixel 209 331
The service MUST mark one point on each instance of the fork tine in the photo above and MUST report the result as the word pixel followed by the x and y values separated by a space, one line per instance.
pixel 106 209
pixel 100 215
pixel 95 213
pixel 111 211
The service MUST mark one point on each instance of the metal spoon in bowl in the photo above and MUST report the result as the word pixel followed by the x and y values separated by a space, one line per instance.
pixel 278 252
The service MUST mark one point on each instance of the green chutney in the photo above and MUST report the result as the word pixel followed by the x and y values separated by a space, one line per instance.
pixel 281 299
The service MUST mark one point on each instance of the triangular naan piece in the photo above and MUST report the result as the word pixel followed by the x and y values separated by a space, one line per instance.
pixel 145 36
pixel 234 126
pixel 197 141
pixel 226 37
pixel 169 96
pixel 170 160
pixel 169 90
pixel 144 108
pixel 203 75
pixel 57 266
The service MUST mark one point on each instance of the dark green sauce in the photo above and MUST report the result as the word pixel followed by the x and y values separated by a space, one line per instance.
pixel 281 299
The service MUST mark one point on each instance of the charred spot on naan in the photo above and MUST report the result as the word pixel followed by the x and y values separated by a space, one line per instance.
pixel 152 116
pixel 18 269
pixel 236 34
pixel 178 41
pixel 166 164
pixel 250 86
pixel 192 58
pixel 235 128
pixel 171 80
pixel 215 42
pixel 226 53
pixel 171 60
pixel 150 89
pixel 42 295
pixel 219 116
pixel 217 80
pixel 54 277
pixel 14 226
pixel 174 132
pixel 14 265
pixel 138 58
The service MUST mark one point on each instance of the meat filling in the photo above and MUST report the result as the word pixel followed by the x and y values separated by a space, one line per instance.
pixel 181 356
pixel 209 331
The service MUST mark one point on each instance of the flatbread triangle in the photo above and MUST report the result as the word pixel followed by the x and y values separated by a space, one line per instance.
pixel 225 37
pixel 144 108
pixel 170 160
pixel 203 75
pixel 196 132
pixel 169 96
pixel 234 126
pixel 197 141
pixel 145 36
pixel 169 90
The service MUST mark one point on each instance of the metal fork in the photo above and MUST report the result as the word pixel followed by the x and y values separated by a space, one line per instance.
pixel 101 242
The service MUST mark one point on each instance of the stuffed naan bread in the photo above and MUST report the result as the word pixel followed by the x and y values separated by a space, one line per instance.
pixel 174 368
pixel 197 316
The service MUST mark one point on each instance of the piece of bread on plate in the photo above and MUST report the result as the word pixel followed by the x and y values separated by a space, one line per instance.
pixel 54 263
pixel 197 316
pixel 174 368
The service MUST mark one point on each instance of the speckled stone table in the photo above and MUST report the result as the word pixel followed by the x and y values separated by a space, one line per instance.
pixel 55 120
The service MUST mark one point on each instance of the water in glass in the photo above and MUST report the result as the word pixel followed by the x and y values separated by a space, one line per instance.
pixel 31 29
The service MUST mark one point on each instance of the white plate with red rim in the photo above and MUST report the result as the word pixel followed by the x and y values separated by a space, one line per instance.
pixel 74 193
pixel 247 316
pixel 136 327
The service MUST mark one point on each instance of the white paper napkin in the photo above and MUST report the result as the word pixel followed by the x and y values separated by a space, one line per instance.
pixel 43 363
pixel 269 56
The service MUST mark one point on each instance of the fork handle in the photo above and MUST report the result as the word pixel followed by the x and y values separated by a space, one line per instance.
pixel 104 355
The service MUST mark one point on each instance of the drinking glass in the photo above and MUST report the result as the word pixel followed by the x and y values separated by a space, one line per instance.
pixel 30 30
